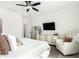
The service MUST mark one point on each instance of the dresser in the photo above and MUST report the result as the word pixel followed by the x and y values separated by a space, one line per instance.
pixel 50 38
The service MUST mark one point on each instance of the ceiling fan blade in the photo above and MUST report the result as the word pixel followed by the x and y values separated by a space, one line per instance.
pixel 26 1
pixel 20 5
pixel 29 1
pixel 35 9
pixel 35 4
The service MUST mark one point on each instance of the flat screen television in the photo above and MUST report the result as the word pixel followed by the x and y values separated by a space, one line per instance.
pixel 49 26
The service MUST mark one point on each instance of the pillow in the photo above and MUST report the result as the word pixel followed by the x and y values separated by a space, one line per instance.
pixel 19 43
pixel 5 35
pixel 12 42
pixel 67 39
pixel 76 38
pixel 4 46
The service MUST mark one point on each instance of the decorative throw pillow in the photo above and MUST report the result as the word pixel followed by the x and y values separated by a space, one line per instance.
pixel 67 39
pixel 19 43
pixel 12 42
pixel 76 38
pixel 4 47
pixel 5 35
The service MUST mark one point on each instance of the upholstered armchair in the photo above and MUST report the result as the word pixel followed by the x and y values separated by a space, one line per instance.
pixel 68 48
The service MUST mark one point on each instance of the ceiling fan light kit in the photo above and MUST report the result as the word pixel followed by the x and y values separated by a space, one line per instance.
pixel 30 6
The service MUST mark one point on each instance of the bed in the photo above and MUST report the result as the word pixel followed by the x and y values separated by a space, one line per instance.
pixel 30 49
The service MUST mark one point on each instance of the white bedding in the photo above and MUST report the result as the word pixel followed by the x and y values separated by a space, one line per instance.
pixel 29 49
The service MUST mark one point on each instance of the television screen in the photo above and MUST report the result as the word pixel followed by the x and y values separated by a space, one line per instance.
pixel 49 26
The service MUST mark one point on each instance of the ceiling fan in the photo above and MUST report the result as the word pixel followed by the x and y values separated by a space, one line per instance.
pixel 29 5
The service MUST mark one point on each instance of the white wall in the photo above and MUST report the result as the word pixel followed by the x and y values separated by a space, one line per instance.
pixel 66 19
pixel 12 22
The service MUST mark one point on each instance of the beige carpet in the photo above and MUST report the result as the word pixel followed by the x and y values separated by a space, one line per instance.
pixel 54 53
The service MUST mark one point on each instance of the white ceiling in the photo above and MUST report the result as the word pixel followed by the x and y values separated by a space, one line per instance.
pixel 45 7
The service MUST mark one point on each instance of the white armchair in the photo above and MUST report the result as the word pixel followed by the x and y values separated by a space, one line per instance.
pixel 67 48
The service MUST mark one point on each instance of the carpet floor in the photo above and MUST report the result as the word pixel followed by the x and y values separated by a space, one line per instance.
pixel 54 53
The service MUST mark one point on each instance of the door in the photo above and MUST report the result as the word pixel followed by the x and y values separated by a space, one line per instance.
pixel 34 32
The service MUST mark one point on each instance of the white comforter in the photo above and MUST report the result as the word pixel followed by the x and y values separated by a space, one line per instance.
pixel 30 49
